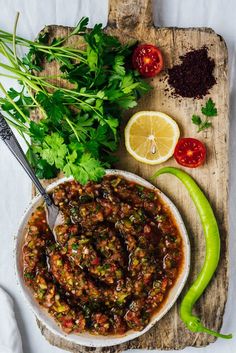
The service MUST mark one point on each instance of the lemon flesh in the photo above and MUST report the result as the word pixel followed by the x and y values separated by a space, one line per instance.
pixel 151 137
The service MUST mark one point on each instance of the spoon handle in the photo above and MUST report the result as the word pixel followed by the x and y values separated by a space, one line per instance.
pixel 10 140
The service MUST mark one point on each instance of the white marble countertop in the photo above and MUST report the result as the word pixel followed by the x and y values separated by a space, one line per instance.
pixel 15 187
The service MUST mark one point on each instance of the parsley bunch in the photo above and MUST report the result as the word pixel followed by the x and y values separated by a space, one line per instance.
pixel 209 110
pixel 78 129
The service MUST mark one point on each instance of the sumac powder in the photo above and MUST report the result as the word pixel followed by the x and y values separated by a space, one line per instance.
pixel 193 77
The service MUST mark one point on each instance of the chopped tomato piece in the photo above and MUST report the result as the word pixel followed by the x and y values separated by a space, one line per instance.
pixel 95 261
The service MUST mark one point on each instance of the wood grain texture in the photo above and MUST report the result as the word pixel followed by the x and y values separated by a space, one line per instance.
pixel 133 19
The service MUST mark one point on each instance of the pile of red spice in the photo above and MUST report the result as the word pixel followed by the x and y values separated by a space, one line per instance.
pixel 193 77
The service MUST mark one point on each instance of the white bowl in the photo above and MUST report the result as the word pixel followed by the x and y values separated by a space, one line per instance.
pixel 87 339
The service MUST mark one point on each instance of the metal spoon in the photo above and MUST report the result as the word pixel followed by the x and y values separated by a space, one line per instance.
pixel 53 214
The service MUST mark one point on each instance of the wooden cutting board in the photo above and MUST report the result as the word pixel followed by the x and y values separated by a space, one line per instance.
pixel 133 19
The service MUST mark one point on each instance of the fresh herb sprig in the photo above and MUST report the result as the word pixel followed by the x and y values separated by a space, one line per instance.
pixel 78 129
pixel 210 111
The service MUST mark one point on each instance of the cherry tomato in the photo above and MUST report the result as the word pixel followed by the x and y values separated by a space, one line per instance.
pixel 190 152
pixel 148 60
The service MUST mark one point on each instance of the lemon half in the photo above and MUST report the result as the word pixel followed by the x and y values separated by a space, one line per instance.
pixel 151 137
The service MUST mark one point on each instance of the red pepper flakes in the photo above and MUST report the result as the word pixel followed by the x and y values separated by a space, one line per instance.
pixel 193 77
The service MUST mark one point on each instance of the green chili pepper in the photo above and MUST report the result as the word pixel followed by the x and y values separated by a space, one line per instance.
pixel 212 238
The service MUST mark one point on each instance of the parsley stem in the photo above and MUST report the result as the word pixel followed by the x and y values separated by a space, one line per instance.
pixel 85 103
pixel 8 37
pixel 27 142
pixel 72 57
pixel 14 37
pixel 8 53
pixel 91 107
pixel 36 102
pixel 21 75
pixel 4 52
pixel 14 104
pixel 73 129
pixel 17 126
pixel 25 75
pixel 72 53
pixel 89 95
pixel 70 91
pixel 30 83
pixel 9 76
pixel 49 77
pixel 72 50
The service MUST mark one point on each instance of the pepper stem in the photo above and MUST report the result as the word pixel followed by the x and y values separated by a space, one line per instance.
pixel 216 334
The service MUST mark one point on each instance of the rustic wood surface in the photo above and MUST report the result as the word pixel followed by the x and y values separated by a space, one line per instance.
pixel 133 19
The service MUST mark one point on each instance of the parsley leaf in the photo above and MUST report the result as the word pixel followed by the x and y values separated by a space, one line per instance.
pixel 68 168
pixel 42 169
pixel 81 26
pixel 53 105
pixel 87 168
pixel 32 60
pixel 19 99
pixel 196 120
pixel 91 167
pixel 54 150
pixel 128 84
pixel 92 58
pixel 209 109
pixel 118 66
pixel 37 130
pixel 101 136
